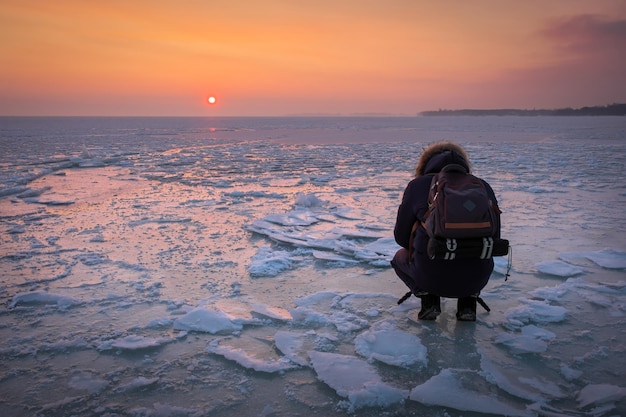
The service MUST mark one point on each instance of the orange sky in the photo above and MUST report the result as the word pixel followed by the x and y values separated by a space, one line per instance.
pixel 264 57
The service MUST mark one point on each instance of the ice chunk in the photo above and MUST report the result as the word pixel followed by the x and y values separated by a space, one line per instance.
pixel 558 268
pixel 290 344
pixel 378 253
pixel 569 373
pixel 349 213
pixel 316 298
pixel 255 359
pixel 521 343
pixel 355 379
pixel 600 394
pixel 133 342
pixel 268 263
pixel 538 332
pixel 88 381
pixel 308 316
pixel 159 322
pixel 254 194
pixel 12 190
pixel 237 312
pixel 392 346
pixel 498 375
pixel 43 297
pixel 608 258
pixel 333 257
pixel 273 313
pixel 137 383
pixel 453 388
pixel 552 293
pixel 294 218
pixel 204 320
pixel 538 311
pixel 307 229
pixel 544 386
pixel 30 193
pixel 347 322
pixel 532 340
pixel 308 200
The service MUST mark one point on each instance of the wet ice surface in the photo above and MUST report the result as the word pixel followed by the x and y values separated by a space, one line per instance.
pixel 195 267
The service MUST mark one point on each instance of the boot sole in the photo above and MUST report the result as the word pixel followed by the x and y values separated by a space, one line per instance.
pixel 466 317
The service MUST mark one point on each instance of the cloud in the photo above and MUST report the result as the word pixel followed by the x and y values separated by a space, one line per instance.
pixel 585 65
pixel 587 33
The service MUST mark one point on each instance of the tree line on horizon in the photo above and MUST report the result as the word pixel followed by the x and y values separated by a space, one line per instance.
pixel 615 109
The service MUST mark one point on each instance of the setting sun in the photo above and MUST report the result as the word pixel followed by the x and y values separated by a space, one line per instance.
pixel 211 100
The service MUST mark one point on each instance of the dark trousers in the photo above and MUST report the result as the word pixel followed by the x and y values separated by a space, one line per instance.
pixel 405 269
pixel 453 279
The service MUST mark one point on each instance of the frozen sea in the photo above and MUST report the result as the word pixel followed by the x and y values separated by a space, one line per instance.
pixel 240 266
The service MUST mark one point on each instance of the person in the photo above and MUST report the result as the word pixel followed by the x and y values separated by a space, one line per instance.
pixel 430 279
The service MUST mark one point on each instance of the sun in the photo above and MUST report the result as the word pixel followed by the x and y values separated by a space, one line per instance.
pixel 211 100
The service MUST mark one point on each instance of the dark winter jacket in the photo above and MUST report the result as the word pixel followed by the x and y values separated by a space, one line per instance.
pixel 456 278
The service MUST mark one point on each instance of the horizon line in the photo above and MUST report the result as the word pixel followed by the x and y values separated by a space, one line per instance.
pixel 329 115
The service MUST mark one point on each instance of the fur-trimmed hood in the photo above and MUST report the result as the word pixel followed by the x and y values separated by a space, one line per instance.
pixel 439 154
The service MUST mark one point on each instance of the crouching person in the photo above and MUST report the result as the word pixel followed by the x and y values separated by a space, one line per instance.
pixel 456 272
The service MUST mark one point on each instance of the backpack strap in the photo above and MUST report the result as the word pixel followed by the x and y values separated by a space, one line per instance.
pixel 411 238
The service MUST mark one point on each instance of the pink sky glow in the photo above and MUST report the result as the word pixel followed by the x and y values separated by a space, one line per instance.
pixel 284 57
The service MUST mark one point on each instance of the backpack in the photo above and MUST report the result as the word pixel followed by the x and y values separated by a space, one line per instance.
pixel 462 221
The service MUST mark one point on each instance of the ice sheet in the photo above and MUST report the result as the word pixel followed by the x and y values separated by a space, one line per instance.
pixel 241 267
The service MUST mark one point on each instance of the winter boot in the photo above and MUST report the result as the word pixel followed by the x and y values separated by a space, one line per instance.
pixel 431 307
pixel 466 308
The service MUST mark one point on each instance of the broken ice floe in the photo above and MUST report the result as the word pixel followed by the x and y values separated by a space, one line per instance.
pixel 221 316
pixel 291 345
pixel 137 384
pixel 87 381
pixel 606 258
pixel 568 264
pixel 535 311
pixel 133 343
pixel 268 263
pixel 43 298
pixel 253 357
pixel 531 339
pixel 558 268
pixel 309 228
pixel 387 344
pixel 599 394
pixel 455 388
pixel 272 313
pixel 202 319
pixel 355 379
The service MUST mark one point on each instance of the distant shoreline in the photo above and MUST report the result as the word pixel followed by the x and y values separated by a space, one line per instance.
pixel 609 110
